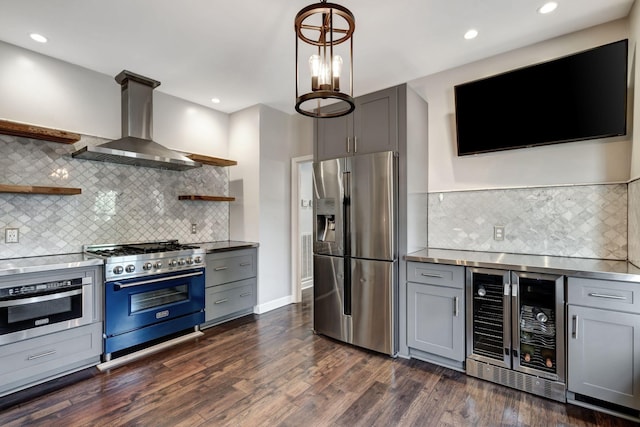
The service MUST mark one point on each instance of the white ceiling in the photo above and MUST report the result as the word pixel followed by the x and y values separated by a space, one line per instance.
pixel 243 51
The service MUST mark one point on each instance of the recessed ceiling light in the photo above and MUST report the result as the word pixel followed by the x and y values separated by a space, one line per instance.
pixel 215 100
pixel 471 34
pixel 38 37
pixel 548 7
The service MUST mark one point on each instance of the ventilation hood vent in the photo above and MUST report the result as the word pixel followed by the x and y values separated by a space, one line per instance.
pixel 136 146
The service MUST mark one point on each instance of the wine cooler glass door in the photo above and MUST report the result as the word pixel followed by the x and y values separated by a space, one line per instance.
pixel 488 316
pixel 538 324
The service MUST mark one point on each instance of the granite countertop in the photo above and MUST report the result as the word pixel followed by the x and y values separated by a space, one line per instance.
pixel 225 245
pixel 577 267
pixel 46 263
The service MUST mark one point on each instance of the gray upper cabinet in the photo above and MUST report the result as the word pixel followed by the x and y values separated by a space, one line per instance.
pixel 371 128
pixel 603 341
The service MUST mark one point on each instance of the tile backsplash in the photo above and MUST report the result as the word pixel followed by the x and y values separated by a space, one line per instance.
pixel 588 221
pixel 119 203
pixel 634 222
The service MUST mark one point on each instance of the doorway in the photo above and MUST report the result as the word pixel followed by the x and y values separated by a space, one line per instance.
pixel 301 226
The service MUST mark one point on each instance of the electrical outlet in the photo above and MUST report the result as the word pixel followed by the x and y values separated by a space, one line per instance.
pixel 498 232
pixel 11 235
pixel 193 228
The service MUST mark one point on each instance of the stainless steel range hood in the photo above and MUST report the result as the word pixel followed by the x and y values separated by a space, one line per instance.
pixel 136 146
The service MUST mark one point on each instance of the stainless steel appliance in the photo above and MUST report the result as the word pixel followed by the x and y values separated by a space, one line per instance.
pixel 34 305
pixel 152 290
pixel 355 267
pixel 515 330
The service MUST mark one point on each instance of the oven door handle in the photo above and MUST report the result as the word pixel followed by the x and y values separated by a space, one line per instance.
pixel 119 285
pixel 42 298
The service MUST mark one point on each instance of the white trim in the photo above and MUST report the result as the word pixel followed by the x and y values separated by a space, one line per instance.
pixel 272 305
pixel 296 288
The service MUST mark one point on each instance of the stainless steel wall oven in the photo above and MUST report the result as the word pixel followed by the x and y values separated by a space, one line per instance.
pixel 515 330
pixel 37 304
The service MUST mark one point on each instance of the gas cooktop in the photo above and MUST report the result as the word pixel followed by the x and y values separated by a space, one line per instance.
pixel 133 260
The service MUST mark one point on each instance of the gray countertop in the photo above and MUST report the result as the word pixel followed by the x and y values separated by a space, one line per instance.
pixel 46 263
pixel 225 245
pixel 577 267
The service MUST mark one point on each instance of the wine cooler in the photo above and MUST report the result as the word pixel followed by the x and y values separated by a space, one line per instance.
pixel 515 330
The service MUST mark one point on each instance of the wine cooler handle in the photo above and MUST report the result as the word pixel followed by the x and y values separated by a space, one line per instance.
pixel 455 306
pixel 574 327
pixel 507 289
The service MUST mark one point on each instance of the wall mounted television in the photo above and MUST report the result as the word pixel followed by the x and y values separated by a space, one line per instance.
pixel 577 97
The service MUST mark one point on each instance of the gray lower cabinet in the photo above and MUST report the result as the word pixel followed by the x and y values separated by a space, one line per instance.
pixel 231 285
pixel 33 361
pixel 603 342
pixel 436 313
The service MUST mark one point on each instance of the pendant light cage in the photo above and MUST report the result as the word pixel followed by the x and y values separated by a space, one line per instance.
pixel 324 51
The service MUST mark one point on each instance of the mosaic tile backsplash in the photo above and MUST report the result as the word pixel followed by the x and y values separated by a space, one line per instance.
pixel 119 203
pixel 587 221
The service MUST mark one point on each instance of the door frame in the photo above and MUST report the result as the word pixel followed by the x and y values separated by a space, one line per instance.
pixel 296 288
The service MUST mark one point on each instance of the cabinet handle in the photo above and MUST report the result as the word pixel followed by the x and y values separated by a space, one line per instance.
pixel 219 268
pixel 574 327
pixel 437 276
pixel 355 144
pixel 245 264
pixel 597 295
pixel 246 295
pixel 455 306
pixel 220 301
pixel 348 144
pixel 38 356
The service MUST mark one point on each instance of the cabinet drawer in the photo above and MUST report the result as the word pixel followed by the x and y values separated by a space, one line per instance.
pixel 35 360
pixel 608 294
pixel 227 299
pixel 224 267
pixel 436 274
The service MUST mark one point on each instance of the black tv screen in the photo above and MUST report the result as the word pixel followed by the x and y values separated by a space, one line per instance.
pixel 577 97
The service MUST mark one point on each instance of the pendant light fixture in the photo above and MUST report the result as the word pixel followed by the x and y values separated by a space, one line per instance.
pixel 322 54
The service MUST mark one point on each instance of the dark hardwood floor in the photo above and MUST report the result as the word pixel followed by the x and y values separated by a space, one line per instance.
pixel 271 370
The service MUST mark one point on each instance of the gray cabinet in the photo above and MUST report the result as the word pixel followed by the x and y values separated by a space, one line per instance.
pixel 436 313
pixel 33 361
pixel 231 285
pixel 603 342
pixel 371 128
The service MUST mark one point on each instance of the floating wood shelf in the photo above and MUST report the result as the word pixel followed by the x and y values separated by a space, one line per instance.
pixel 29 189
pixel 207 198
pixel 37 132
pixel 213 161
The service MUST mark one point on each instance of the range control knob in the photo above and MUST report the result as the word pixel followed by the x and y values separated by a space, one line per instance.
pixel 130 268
pixel 197 259
pixel 147 266
pixel 118 269
pixel 181 262
pixel 173 263
pixel 189 261
pixel 158 265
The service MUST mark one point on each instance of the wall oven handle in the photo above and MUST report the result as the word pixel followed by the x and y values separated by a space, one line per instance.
pixel 597 295
pixel 41 298
pixel 119 285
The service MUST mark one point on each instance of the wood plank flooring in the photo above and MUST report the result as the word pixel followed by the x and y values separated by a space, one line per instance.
pixel 271 370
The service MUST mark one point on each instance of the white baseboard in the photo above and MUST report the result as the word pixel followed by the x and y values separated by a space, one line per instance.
pixel 272 305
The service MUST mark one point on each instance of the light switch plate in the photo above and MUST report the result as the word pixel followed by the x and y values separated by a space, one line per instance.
pixel 498 232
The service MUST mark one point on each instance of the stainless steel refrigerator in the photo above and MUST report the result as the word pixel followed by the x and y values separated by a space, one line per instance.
pixel 355 265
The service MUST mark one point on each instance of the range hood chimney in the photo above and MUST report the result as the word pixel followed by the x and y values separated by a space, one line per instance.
pixel 136 147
